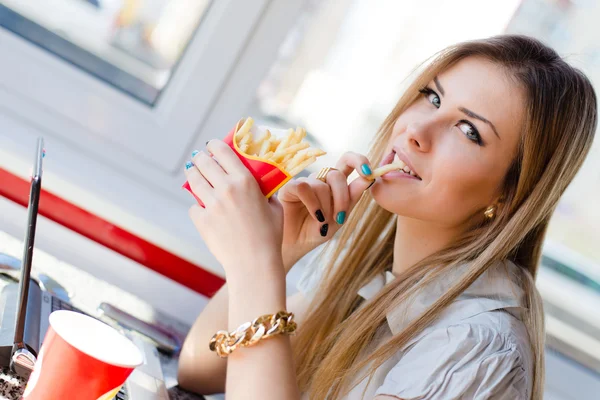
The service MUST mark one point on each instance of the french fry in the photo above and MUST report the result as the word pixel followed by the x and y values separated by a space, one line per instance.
pixel 291 153
pixel 285 160
pixel 377 172
pixel 296 170
pixel 283 143
pixel 264 148
pixel 297 159
pixel 245 128
pixel 263 143
pixel 255 147
pixel 301 133
pixel 246 139
pixel 274 144
pixel 291 149
pixel 316 152
pixel 295 136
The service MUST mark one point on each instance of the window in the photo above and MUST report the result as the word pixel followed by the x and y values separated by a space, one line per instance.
pixel 571 29
pixel 133 45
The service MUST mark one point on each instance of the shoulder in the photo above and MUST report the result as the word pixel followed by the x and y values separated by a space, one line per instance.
pixel 471 359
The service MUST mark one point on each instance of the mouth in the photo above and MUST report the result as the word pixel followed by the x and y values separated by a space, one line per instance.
pixel 393 158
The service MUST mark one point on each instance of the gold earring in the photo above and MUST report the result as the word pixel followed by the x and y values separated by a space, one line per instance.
pixel 490 212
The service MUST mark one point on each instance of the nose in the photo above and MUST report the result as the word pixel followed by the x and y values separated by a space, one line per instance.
pixel 418 137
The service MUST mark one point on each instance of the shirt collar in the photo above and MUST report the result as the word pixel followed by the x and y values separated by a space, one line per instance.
pixel 497 288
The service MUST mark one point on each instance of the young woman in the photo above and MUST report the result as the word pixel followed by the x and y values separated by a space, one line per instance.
pixel 427 292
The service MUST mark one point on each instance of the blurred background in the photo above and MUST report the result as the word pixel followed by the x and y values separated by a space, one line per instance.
pixel 124 90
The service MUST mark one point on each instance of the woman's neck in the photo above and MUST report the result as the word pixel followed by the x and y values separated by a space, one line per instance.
pixel 416 239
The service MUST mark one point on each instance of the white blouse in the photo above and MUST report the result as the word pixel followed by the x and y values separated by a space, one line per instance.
pixel 477 349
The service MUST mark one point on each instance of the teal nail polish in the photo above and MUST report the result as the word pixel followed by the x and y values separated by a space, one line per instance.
pixel 365 169
pixel 188 165
pixel 194 153
pixel 341 217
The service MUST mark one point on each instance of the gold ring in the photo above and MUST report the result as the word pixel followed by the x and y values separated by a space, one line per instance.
pixel 322 175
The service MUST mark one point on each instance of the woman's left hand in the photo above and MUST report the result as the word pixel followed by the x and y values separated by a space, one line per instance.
pixel 239 225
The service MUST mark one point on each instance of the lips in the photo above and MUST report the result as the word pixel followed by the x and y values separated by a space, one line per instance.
pixel 395 157
pixel 387 159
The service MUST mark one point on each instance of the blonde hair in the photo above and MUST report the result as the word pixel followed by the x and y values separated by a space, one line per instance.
pixel 560 121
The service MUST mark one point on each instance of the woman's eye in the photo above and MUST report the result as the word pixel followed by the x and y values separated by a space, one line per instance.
pixel 434 99
pixel 431 96
pixel 470 132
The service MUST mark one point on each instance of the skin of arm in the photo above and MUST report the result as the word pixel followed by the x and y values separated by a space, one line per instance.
pixel 202 371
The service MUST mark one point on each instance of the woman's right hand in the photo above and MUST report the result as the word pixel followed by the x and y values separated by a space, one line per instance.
pixel 314 210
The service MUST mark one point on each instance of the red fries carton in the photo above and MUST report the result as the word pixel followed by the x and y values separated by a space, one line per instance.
pixel 269 174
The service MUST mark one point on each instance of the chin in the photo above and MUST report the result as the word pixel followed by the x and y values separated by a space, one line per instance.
pixel 389 200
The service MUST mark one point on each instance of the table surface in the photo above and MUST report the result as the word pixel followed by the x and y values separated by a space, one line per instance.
pixel 87 292
pixel 11 388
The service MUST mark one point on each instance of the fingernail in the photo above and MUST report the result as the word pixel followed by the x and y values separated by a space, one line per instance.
pixel 323 230
pixel 341 217
pixel 194 153
pixel 320 216
pixel 365 169
pixel 370 184
pixel 188 165
pixel 207 142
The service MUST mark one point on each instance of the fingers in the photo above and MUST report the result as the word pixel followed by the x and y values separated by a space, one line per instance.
pixel 209 168
pixel 356 189
pixel 351 161
pixel 226 157
pixel 340 193
pixel 301 189
pixel 336 195
pixel 323 192
pixel 198 183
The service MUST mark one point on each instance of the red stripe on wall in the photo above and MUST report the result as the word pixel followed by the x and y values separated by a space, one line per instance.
pixel 111 236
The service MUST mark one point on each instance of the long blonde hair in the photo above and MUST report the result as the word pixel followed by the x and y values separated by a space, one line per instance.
pixel 560 121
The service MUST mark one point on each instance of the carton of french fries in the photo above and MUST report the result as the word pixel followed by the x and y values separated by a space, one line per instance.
pixel 273 156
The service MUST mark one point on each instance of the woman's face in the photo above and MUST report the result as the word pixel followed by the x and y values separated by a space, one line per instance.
pixel 461 160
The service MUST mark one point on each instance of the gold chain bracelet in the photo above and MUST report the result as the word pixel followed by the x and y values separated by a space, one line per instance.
pixel 247 334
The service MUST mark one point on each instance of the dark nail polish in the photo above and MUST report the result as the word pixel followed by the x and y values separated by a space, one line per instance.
pixel 207 142
pixel 320 216
pixel 365 169
pixel 323 230
pixel 341 217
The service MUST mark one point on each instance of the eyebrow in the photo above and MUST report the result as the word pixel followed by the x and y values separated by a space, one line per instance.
pixel 467 111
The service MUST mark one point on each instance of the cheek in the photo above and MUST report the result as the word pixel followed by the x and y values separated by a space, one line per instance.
pixel 402 121
pixel 464 181
pixel 398 122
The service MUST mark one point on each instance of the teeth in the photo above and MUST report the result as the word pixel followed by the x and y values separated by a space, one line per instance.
pixel 397 160
pixel 405 167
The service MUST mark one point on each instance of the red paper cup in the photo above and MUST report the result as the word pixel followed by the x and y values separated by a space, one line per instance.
pixel 268 175
pixel 81 358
